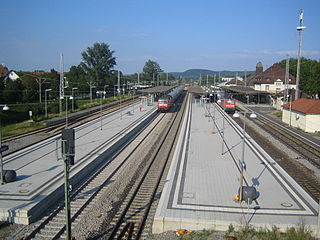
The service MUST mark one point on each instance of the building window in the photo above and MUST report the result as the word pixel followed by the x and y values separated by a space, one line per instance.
pixel 267 87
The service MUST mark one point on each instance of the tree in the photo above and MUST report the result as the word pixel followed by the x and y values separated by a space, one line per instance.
pixel 13 91
pixel 97 63
pixel 309 74
pixel 151 69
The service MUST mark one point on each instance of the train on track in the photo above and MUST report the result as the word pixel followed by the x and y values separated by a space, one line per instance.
pixel 164 103
pixel 229 105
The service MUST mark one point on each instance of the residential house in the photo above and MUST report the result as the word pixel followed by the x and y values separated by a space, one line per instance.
pixel 303 114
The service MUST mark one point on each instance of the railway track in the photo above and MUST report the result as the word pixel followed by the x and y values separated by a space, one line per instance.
pixel 55 127
pixel 130 220
pixel 84 196
pixel 304 149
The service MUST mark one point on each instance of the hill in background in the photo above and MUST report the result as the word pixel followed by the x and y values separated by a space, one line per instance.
pixel 195 73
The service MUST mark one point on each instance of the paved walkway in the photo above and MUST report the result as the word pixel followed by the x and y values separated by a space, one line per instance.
pixel 202 182
pixel 39 167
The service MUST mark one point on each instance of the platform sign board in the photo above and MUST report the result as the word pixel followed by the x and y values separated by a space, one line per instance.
pixel 4 148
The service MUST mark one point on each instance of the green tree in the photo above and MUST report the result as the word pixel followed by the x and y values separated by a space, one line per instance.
pixel 30 92
pixel 151 70
pixel 97 63
pixel 309 74
pixel 13 91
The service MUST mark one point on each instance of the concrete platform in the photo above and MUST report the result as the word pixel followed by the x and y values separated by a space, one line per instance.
pixel 40 167
pixel 202 182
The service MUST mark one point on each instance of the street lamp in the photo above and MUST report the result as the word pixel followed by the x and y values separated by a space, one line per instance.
pixel 45 101
pixel 5 108
pixel 100 93
pixel 75 88
pixel 242 164
pixel 91 87
pixel 104 91
pixel 71 98
pixel 299 29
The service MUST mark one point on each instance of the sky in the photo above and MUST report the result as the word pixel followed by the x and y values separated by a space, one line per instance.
pixel 177 34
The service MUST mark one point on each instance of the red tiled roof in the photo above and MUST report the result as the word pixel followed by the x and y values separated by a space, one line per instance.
pixel 272 74
pixel 304 105
pixel 3 70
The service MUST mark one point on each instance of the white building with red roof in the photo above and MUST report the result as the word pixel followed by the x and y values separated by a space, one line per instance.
pixel 303 114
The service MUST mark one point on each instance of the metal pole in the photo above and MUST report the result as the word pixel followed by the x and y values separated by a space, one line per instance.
pixel 45 103
pixel 40 90
pixel 290 107
pixel 318 228
pixel 214 99
pixel 300 28
pixel 223 128
pixel 67 196
pixel 66 112
pixel 90 93
pixel 101 111
pixel 72 103
pixel 286 82
pixel 1 157
pixel 242 155
pixel 61 87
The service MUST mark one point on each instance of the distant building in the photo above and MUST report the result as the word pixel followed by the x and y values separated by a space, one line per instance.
pixel 3 70
pixel 259 68
pixel 303 113
pixel 272 80
pixel 13 76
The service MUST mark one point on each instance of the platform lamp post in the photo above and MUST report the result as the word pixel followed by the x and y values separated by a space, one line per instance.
pixel 46 102
pixel 100 93
pixel 5 108
pixel 242 164
pixel 75 88
pixel 223 128
pixel 104 91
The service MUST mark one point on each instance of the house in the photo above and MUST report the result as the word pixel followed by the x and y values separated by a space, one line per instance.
pixel 273 80
pixel 3 70
pixel 303 114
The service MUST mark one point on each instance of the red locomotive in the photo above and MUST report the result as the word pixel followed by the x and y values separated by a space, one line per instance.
pixel 229 105
pixel 165 103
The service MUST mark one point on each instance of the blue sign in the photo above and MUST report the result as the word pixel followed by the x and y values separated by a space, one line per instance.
pixel 4 148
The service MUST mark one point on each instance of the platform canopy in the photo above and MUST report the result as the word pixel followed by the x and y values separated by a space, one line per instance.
pixel 159 89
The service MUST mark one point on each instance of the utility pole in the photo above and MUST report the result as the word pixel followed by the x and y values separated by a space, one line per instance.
pixel 61 86
pixel 299 28
pixel 245 78
pixel 119 91
pixel 207 80
pixel 200 79
pixel 138 78
pixel 286 82
pixel 40 81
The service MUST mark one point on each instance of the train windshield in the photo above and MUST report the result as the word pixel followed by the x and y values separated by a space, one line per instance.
pixel 163 101
pixel 230 102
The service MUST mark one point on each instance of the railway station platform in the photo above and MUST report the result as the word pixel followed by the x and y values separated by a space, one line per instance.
pixel 204 178
pixel 40 168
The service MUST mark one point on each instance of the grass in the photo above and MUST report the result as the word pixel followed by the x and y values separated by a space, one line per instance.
pixel 26 126
pixel 19 128
pixel 301 232
pixel 278 114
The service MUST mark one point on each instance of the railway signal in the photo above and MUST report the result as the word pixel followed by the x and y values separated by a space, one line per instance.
pixel 68 153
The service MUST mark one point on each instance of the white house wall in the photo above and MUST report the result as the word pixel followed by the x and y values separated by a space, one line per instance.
pixel 313 123
pixel 273 88
pixel 306 122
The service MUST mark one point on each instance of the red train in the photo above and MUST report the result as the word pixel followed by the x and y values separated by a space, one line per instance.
pixel 229 105
pixel 165 103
